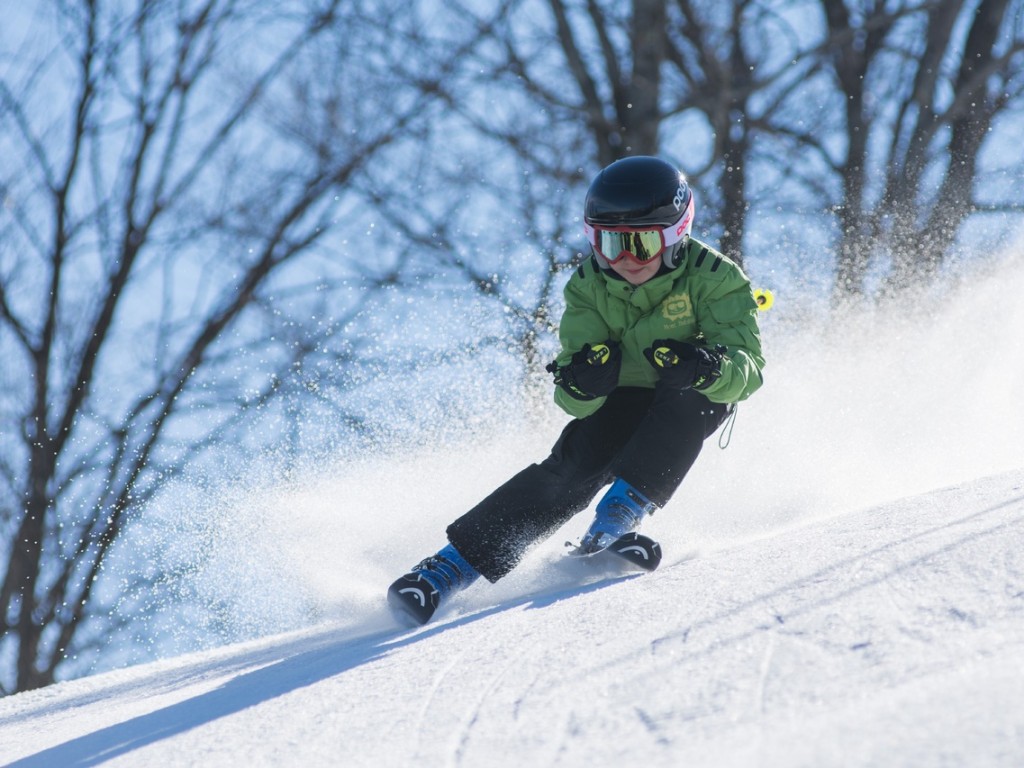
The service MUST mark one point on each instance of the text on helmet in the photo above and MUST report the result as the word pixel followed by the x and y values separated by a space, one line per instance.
pixel 680 197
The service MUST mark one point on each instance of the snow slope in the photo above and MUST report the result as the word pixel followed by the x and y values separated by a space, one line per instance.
pixel 843 586
pixel 887 636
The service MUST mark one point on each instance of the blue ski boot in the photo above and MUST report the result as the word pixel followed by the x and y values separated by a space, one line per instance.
pixel 416 595
pixel 619 512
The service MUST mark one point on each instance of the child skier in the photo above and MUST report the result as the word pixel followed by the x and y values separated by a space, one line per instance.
pixel 659 338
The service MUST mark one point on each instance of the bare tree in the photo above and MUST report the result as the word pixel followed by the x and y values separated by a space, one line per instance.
pixel 922 87
pixel 867 120
pixel 170 174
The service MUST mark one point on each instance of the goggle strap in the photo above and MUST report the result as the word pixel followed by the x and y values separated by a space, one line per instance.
pixel 681 228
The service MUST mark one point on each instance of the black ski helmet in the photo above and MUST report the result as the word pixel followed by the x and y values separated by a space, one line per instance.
pixel 641 191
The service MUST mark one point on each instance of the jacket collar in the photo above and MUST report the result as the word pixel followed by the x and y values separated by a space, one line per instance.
pixel 647 295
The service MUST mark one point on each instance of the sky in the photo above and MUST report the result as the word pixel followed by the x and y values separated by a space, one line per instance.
pixel 842 585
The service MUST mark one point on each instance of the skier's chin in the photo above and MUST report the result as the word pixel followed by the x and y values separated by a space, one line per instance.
pixel 635 274
pixel 635 277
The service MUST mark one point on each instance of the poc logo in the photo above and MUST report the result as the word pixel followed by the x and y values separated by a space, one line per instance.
pixel 680 197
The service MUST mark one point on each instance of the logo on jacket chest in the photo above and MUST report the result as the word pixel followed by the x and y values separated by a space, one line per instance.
pixel 677 309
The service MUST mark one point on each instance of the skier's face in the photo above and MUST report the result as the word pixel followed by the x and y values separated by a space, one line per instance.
pixel 634 273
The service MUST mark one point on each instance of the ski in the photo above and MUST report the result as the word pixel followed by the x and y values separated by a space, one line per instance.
pixel 413 599
pixel 633 550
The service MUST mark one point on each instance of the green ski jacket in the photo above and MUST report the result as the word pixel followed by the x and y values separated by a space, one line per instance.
pixel 706 300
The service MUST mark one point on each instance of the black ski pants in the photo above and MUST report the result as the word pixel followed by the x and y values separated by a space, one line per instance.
pixel 648 437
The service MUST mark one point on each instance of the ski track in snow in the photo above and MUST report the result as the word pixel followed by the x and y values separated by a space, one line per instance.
pixel 890 636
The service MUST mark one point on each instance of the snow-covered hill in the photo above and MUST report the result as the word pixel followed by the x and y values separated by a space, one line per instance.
pixel 886 636
pixel 820 602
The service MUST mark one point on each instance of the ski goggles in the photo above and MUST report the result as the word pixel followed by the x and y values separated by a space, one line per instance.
pixel 639 244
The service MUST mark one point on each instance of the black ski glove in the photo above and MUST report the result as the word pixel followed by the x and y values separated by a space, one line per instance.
pixel 681 365
pixel 591 373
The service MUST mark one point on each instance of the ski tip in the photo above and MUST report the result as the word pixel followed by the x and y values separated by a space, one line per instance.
pixel 641 551
pixel 632 550
pixel 413 600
